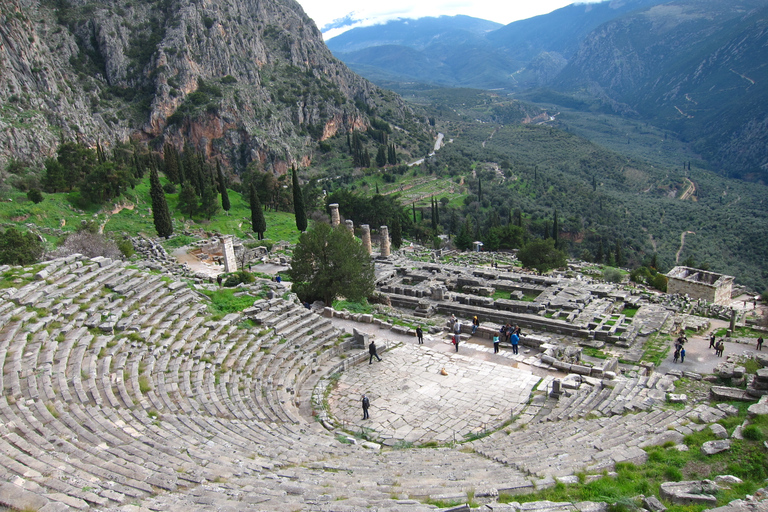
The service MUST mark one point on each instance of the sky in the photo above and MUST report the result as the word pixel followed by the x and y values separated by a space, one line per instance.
pixel 333 17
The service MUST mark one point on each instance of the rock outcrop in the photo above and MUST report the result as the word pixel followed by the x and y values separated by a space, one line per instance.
pixel 244 79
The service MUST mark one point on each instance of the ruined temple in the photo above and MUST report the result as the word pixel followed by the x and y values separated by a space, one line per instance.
pixel 700 284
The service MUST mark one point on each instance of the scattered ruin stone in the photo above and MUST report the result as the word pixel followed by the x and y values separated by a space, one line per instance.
pixel 677 398
pixel 727 393
pixel 690 492
pixel 728 409
pixel 713 447
pixel 653 504
pixel 719 430
pixel 759 408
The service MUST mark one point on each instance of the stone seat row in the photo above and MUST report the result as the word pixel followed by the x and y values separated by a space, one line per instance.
pixel 609 397
pixel 567 447
pixel 85 389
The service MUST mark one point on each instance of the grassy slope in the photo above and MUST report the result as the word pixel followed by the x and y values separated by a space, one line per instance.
pixel 56 211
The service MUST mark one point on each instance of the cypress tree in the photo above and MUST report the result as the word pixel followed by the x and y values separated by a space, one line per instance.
pixel 600 253
pixel 188 199
pixel 225 204
pixel 619 254
pixel 298 204
pixel 377 189
pixel 171 159
pixel 555 228
pixel 434 217
pixel 414 212
pixel 437 212
pixel 479 190
pixel 258 221
pixel 381 157
pixel 160 214
pixel 208 204
pixel 397 233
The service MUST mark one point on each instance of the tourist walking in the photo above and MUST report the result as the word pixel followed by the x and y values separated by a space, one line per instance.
pixel 366 405
pixel 496 344
pixel 759 343
pixel 514 339
pixel 456 333
pixel 420 334
pixel 372 352
pixel 507 332
pixel 475 324
pixel 712 340
pixel 719 347
pixel 682 355
pixel 676 355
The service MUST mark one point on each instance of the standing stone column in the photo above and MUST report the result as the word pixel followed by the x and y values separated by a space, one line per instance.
pixel 230 262
pixel 384 241
pixel 350 226
pixel 366 238
pixel 335 219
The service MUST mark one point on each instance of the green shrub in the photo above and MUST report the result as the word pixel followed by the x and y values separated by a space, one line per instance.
pixel 241 276
pixel 126 247
pixel 753 433
pixel 35 195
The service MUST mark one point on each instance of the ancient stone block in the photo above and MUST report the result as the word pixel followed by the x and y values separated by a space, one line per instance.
pixel 713 447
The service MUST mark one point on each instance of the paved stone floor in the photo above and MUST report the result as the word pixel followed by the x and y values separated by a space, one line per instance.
pixel 411 401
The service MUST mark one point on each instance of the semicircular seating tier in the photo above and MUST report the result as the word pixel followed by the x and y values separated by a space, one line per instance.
pixel 120 388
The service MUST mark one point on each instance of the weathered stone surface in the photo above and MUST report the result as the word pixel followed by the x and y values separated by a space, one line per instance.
pixel 677 398
pixel 760 407
pixel 726 393
pixel 653 504
pixel 728 409
pixel 713 447
pixel 15 497
pixel 725 480
pixel 719 430
pixel 690 492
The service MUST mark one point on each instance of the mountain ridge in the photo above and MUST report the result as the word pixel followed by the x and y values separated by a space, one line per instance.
pixel 247 81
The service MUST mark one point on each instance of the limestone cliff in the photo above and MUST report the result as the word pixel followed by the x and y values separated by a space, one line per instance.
pixel 246 79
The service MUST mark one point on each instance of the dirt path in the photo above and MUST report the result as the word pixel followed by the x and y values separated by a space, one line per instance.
pixel 682 244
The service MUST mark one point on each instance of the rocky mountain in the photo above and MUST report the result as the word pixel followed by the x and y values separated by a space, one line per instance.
pixel 693 66
pixel 244 79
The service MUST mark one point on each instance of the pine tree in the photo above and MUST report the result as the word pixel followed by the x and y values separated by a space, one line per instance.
pixel 298 204
pixel 258 221
pixel 160 214
pixel 225 204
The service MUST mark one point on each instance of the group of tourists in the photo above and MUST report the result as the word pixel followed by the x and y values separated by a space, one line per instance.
pixel 680 349
pixel 719 346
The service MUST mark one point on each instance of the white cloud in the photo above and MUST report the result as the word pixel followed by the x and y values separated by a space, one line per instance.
pixel 326 12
